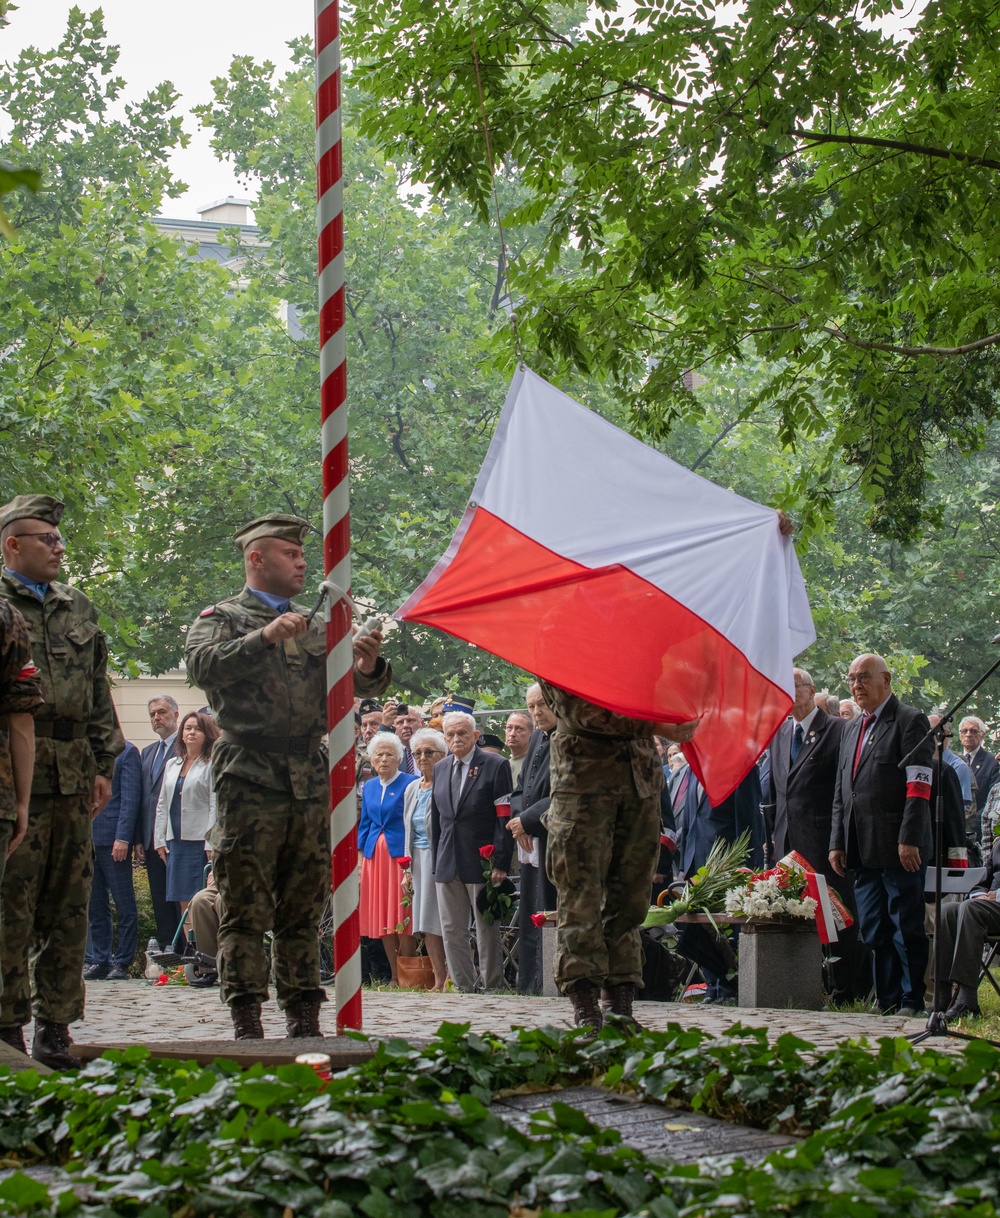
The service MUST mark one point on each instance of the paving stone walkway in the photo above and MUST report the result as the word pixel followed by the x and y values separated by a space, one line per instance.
pixel 141 1012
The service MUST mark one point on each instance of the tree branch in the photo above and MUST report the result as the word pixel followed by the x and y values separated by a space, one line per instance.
pixel 948 154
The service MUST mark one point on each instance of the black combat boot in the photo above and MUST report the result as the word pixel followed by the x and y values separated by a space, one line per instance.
pixel 245 1012
pixel 617 1002
pixel 15 1038
pixel 586 1007
pixel 302 1013
pixel 52 1044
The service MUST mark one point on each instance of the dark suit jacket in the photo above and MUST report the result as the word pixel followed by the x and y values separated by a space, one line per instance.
pixel 458 833
pixel 802 794
pixel 872 814
pixel 986 771
pixel 701 824
pixel 151 783
pixel 117 822
pixel 530 800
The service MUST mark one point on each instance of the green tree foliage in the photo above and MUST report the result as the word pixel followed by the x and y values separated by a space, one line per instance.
pixel 812 182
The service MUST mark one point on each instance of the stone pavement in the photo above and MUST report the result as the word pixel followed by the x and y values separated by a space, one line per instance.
pixel 140 1012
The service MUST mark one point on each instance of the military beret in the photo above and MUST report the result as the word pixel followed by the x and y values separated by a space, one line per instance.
pixel 368 705
pixel 288 528
pixel 489 741
pixel 32 507
pixel 460 704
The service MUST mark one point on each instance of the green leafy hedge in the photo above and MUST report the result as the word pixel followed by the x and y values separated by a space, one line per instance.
pixel 887 1131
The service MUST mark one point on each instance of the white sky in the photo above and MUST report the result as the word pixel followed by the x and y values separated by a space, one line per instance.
pixel 188 42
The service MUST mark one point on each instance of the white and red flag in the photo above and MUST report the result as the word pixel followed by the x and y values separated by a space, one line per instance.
pixel 600 565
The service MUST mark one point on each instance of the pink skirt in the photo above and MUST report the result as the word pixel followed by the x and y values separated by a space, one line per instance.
pixel 381 894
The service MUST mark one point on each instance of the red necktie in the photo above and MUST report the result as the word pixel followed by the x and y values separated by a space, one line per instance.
pixel 866 720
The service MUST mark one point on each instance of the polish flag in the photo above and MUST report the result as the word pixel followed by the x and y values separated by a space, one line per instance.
pixel 604 567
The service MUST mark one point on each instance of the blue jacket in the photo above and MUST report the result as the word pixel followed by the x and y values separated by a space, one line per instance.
pixel 383 817
pixel 121 815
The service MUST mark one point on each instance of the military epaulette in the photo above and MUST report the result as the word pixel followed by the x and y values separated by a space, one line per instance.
pixel 207 612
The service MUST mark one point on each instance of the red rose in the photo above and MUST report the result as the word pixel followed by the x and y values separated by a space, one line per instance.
pixel 405 862
pixel 486 852
pixel 539 919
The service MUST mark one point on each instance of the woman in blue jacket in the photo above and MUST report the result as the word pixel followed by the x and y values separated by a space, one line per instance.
pixel 380 843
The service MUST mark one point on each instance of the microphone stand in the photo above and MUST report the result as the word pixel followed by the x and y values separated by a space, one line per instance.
pixel 936 1024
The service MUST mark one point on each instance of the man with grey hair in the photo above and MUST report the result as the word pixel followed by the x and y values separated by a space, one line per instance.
pixel 982 763
pixel 163 715
pixel 470 807
pixel 882 831
pixel 804 765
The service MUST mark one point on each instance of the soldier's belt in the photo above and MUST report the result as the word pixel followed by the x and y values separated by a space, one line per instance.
pixel 60 729
pixel 295 746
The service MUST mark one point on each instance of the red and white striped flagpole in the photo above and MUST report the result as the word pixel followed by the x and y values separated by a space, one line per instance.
pixel 336 517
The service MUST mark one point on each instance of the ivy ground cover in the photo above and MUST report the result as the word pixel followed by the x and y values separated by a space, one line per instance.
pixel 885 1130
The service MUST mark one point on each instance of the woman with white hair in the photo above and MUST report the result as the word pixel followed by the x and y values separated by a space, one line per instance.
pixel 428 747
pixel 381 846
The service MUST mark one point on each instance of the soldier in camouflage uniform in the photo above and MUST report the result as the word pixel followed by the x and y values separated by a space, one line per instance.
pixel 20 697
pixel 46 889
pixel 263 667
pixel 603 845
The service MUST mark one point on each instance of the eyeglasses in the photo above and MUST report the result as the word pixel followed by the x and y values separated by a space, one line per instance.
pixel 427 753
pixel 860 678
pixel 52 540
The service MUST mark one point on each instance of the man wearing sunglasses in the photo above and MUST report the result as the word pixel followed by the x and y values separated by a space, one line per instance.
pixel 46 888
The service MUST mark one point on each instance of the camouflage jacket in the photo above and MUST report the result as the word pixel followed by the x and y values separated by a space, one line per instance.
pixel 596 752
pixel 76 730
pixel 269 700
pixel 20 694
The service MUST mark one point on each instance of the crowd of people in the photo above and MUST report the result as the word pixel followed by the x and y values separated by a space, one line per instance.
pixel 594 812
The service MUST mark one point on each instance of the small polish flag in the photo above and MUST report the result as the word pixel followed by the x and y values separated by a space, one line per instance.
pixel 602 566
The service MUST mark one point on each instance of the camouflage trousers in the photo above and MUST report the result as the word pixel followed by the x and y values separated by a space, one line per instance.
pixel 43 913
pixel 602 852
pixel 7 828
pixel 272 869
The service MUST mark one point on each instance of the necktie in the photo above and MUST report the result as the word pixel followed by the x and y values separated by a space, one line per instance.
pixel 865 723
pixel 408 767
pixel 968 759
pixel 796 742
pixel 456 783
pixel 158 761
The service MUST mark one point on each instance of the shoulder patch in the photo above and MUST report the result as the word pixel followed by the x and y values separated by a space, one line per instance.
pixel 207 612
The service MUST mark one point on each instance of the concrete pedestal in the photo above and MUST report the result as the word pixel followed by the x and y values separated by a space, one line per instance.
pixel 549 961
pixel 781 965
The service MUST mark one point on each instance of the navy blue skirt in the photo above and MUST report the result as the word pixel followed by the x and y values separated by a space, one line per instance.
pixel 185 869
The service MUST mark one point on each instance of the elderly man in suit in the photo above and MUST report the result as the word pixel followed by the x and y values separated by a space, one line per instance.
pixel 881 829
pixel 805 756
pixel 985 770
pixel 528 805
pixel 163 715
pixel 470 806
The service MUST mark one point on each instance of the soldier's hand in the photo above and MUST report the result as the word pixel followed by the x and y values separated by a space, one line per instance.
pixel 102 793
pixel 287 626
pixel 681 733
pixel 119 851
pixel 785 524
pixel 20 829
pixel 366 650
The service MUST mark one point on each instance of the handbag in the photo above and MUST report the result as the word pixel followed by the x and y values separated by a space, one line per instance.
pixel 415 972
